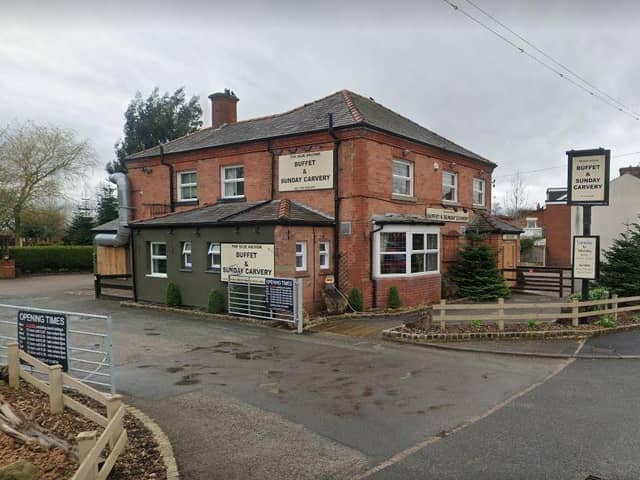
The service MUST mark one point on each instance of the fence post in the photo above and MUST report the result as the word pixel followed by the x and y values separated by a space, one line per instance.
pixel 113 405
pixel 96 285
pixel 574 313
pixel 501 314
pixel 614 306
pixel 56 402
pixel 561 282
pixel 14 365
pixel 86 441
pixel 443 314
pixel 299 306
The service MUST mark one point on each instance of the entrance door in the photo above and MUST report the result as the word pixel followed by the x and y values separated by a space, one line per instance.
pixel 509 262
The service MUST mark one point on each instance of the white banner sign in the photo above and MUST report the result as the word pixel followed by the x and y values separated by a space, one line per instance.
pixel 585 257
pixel 305 171
pixel 589 178
pixel 447 215
pixel 247 259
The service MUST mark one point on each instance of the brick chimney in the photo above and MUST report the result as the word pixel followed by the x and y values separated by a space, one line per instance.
pixel 635 171
pixel 223 108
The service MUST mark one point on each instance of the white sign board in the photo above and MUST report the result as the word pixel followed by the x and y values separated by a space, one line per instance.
pixel 254 260
pixel 305 171
pixel 588 177
pixel 586 257
pixel 447 215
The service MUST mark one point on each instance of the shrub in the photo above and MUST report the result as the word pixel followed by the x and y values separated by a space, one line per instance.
pixel 607 321
pixel 620 273
pixel 55 258
pixel 173 295
pixel 635 319
pixel 355 299
pixel 216 302
pixel 477 324
pixel 534 324
pixel 394 298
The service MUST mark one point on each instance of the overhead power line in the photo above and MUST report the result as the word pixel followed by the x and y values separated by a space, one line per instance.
pixel 581 83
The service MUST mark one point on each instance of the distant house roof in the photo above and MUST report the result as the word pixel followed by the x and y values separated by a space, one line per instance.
pixel 349 110
pixel 108 227
pixel 485 223
pixel 219 214
pixel 556 195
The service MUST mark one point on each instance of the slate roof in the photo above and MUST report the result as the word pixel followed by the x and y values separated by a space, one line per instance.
pixel 404 219
pixel 219 214
pixel 349 110
pixel 485 223
pixel 108 227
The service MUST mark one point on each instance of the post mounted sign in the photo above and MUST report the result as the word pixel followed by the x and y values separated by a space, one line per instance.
pixel 588 177
pixel 586 257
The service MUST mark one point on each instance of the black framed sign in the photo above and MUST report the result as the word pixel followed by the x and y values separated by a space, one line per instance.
pixel 279 293
pixel 44 336
pixel 588 177
pixel 586 257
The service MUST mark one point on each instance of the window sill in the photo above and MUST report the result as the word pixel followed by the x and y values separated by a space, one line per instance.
pixel 407 276
pixel 156 275
pixel 187 203
pixel 403 198
pixel 216 272
pixel 241 198
pixel 479 207
pixel 450 203
pixel 186 270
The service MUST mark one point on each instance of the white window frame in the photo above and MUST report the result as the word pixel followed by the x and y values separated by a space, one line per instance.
pixel 153 257
pixel 402 177
pixel 324 249
pixel 534 220
pixel 224 181
pixel 182 184
pixel 408 230
pixel 481 183
pixel 454 186
pixel 301 254
pixel 187 262
pixel 215 248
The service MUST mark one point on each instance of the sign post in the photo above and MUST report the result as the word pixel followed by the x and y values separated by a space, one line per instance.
pixel 587 186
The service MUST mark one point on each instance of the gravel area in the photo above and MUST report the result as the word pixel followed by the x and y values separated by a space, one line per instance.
pixel 141 460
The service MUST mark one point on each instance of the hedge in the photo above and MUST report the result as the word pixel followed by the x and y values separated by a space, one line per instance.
pixel 57 258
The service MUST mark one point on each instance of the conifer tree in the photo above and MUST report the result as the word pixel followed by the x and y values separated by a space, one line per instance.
pixel 620 272
pixel 79 231
pixel 476 273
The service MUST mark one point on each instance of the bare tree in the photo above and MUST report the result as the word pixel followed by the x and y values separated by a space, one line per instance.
pixel 36 162
pixel 516 199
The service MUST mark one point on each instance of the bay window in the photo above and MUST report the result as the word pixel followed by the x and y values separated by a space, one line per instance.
pixel 407 250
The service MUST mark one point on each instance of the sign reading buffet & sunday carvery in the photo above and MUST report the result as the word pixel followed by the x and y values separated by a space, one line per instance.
pixel 256 260
pixel 588 178
pixel 305 171
pixel 44 336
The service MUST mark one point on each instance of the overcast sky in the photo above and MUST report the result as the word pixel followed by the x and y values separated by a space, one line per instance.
pixel 78 64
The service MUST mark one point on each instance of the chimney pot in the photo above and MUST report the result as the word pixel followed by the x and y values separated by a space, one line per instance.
pixel 223 108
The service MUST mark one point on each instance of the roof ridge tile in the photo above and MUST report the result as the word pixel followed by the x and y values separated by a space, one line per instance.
pixel 353 110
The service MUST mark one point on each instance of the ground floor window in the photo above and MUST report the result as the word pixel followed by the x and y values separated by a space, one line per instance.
pixel 213 257
pixel 186 256
pixel 324 255
pixel 407 250
pixel 158 257
pixel 301 256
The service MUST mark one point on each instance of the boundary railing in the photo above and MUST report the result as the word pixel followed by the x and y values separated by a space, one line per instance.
pixel 502 311
pixel 540 279
pixel 90 445
pixel 112 281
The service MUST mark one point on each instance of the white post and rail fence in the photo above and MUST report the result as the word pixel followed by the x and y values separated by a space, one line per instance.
pixel 500 311
pixel 90 445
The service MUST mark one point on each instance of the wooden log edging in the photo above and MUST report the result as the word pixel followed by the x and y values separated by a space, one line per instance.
pixel 397 334
pixel 164 444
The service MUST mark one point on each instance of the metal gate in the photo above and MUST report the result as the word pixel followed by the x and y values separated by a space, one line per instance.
pixel 278 299
pixel 89 340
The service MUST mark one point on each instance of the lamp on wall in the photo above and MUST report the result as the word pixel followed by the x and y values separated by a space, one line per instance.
pixel 436 166
pixel 406 152
pixel 293 150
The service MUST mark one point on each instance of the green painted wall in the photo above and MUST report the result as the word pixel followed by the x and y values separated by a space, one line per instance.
pixel 194 285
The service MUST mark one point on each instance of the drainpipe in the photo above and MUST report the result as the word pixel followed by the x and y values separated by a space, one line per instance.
pixel 172 206
pixel 336 204
pixel 122 235
pixel 273 169
pixel 374 280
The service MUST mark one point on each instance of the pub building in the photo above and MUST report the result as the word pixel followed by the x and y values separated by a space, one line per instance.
pixel 340 189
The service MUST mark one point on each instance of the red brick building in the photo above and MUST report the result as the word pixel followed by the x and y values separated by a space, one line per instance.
pixel 343 186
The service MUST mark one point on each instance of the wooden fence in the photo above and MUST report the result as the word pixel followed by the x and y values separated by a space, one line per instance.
pixel 90 445
pixel 116 281
pixel 574 310
pixel 540 279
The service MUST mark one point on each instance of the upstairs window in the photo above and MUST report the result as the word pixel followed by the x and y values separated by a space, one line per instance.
pixel 403 178
pixel 213 257
pixel 449 187
pixel 233 182
pixel 158 259
pixel 478 192
pixel 187 186
pixel 532 223
pixel 301 256
pixel 186 256
pixel 324 255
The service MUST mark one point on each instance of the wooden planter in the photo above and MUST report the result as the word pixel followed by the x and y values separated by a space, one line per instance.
pixel 7 268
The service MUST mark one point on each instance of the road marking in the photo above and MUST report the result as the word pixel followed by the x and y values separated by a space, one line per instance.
pixel 400 456
pixel 580 345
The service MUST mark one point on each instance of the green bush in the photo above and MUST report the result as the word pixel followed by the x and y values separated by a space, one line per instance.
pixel 394 298
pixel 216 302
pixel 534 324
pixel 355 299
pixel 55 258
pixel 477 324
pixel 173 295
pixel 607 321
